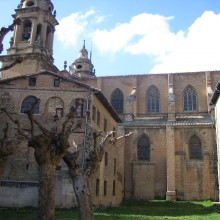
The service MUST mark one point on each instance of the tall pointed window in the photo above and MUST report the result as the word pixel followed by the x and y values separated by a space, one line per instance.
pixel 28 103
pixel 153 99
pixel 143 149
pixel 195 148
pixel 117 101
pixel 190 99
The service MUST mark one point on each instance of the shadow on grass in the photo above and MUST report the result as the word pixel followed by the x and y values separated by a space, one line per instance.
pixel 130 210
pixel 160 208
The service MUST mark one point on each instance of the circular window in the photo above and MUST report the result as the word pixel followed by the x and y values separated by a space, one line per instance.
pixel 79 66
pixel 30 4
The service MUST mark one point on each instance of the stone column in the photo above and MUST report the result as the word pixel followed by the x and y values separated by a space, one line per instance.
pixel 33 32
pixel 17 34
pixel 170 144
pixel 129 112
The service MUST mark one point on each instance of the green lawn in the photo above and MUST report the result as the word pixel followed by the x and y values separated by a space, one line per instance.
pixel 131 210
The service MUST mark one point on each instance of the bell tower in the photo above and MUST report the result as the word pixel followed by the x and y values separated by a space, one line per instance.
pixel 82 67
pixel 33 38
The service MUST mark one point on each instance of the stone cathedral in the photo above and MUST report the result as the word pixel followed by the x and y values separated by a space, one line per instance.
pixel 171 153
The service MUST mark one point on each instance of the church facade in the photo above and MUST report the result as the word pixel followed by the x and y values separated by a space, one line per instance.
pixel 172 151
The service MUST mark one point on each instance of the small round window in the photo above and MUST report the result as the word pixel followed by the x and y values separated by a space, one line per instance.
pixel 30 4
pixel 79 66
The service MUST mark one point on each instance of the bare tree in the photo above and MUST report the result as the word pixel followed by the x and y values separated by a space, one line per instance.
pixel 50 147
pixel 82 171
pixel 6 149
pixel 5 31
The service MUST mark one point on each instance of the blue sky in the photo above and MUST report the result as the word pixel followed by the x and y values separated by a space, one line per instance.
pixel 135 37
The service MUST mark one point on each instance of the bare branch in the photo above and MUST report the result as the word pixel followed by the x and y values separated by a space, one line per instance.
pixel 42 128
pixel 17 61
pixel 70 160
pixel 114 140
pixel 4 31
pixel 30 114
pixel 20 131
pixel 70 115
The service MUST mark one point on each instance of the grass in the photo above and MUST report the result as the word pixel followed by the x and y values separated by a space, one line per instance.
pixel 131 210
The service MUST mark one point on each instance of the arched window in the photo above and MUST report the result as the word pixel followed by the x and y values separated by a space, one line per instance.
pixel 27 30
pixel 55 106
pixel 143 149
pixel 117 101
pixel 153 99
pixel 28 103
pixel 195 148
pixel 38 34
pixel 81 107
pixel 190 99
pixel 49 37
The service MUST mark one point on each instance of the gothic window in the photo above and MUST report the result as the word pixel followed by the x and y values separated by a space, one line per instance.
pixel 153 99
pixel 190 100
pixel 195 148
pixel 28 103
pixel 143 149
pixel 27 30
pixel 117 101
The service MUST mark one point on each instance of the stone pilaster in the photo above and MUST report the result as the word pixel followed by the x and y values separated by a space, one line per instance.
pixel 129 111
pixel 170 144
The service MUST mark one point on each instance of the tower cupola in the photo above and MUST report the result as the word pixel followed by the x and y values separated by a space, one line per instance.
pixel 82 67
pixel 44 5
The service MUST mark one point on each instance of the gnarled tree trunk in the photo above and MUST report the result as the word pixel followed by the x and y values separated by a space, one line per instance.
pixel 46 193
pixel 81 188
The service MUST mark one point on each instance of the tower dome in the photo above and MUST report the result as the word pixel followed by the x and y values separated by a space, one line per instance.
pixel 43 4
pixel 83 53
pixel 82 67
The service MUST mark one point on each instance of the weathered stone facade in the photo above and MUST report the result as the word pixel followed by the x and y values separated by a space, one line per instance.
pixel 21 173
pixel 171 153
pixel 216 115
pixel 170 171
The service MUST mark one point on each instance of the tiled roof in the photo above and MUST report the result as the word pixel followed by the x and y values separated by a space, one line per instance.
pixel 162 121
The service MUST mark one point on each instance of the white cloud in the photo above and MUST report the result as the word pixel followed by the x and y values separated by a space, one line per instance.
pixel 73 28
pixel 194 50
pixel 198 50
pixel 147 28
pixel 147 34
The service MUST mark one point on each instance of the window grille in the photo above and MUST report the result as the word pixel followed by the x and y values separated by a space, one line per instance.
pixel 153 99
pixel 190 100
pixel 144 149
pixel 117 101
